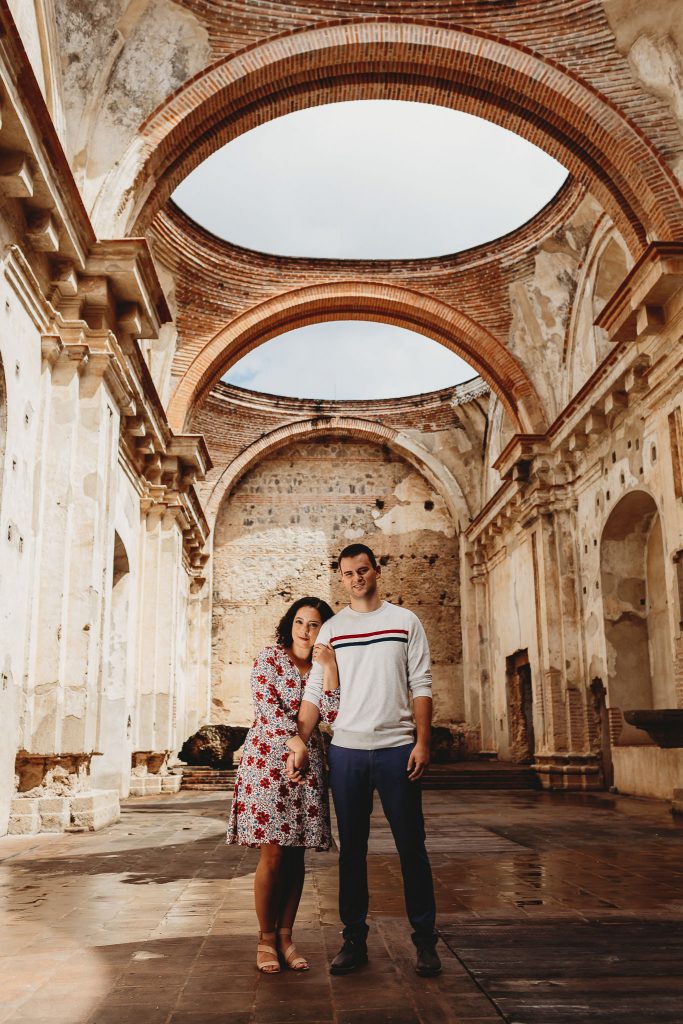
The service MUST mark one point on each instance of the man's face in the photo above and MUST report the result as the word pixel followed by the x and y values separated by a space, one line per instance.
pixel 359 577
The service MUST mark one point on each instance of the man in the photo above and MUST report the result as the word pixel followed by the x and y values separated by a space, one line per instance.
pixel 383 660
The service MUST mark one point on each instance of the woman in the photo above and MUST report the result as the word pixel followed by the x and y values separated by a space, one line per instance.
pixel 268 811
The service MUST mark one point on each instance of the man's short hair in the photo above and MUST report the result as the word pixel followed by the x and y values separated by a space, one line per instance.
pixel 353 550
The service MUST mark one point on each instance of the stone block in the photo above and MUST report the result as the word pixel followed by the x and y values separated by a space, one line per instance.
pixel 54 813
pixel 24 819
pixel 145 785
pixel 171 783
pixel 94 810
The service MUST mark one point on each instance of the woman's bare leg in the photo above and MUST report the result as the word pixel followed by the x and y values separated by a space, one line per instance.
pixel 267 887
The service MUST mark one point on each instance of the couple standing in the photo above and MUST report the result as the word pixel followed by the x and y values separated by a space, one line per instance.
pixel 357 669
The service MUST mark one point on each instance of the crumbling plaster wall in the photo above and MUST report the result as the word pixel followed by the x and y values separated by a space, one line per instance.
pixel 541 303
pixel 120 59
pixel 278 533
pixel 650 35
pixel 20 364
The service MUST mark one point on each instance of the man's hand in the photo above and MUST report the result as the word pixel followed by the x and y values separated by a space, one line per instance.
pixel 297 762
pixel 418 762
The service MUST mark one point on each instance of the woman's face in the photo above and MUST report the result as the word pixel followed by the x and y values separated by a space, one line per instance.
pixel 305 628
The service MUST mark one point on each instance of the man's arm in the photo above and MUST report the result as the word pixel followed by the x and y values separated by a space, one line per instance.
pixel 420 685
pixel 418 762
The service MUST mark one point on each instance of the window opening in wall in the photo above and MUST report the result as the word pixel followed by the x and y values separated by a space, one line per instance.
pixel 520 707
pixel 370 179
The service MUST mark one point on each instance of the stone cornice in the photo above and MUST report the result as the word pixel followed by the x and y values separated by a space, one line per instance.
pixel 127 264
pixel 44 176
pixel 649 298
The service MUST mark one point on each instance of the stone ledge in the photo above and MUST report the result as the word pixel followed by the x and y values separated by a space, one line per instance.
pixel 88 811
pixel 151 785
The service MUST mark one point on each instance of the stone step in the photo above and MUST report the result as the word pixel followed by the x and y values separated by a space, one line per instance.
pixel 464 775
pixel 198 778
pixel 481 775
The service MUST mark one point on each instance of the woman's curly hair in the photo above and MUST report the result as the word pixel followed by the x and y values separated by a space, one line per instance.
pixel 283 633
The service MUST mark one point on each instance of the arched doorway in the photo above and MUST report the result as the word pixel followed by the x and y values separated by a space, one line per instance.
pixel 636 613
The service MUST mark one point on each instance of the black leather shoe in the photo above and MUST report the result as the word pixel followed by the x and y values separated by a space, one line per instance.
pixel 428 963
pixel 352 955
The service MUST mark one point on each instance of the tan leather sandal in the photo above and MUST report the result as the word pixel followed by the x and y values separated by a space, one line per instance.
pixel 269 966
pixel 294 960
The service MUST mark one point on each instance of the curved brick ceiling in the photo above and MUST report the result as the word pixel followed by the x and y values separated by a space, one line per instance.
pixel 397 59
pixel 231 299
pixel 370 180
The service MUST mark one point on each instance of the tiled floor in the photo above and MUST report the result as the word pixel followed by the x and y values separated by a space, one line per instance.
pixel 554 909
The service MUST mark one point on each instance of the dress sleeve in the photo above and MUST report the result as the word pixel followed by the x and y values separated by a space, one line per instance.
pixel 329 705
pixel 265 691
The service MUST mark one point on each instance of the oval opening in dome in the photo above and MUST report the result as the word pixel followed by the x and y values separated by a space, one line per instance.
pixel 370 179
pixel 349 359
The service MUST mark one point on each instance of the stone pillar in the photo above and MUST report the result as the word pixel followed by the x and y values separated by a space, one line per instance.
pixel 563 758
pixel 72 561
pixel 158 638
pixel 476 646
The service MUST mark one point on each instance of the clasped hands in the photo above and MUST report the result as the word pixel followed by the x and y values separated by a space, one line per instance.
pixel 297 761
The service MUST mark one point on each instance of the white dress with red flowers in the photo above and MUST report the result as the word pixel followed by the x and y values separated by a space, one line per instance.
pixel 266 806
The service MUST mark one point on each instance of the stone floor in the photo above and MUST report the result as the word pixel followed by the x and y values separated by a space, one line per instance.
pixel 554 909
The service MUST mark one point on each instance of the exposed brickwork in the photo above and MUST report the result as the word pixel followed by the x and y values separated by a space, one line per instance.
pixel 232 418
pixel 441 434
pixel 231 299
pixel 278 533
pixel 548 98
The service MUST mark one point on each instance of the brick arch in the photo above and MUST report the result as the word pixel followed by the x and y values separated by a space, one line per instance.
pixel 399 59
pixel 355 300
pixel 439 477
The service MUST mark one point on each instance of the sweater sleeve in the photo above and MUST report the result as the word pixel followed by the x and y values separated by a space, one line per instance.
pixel 419 670
pixel 313 691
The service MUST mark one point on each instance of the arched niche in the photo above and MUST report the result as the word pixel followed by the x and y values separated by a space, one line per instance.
pixel 606 264
pixel 279 530
pixel 635 609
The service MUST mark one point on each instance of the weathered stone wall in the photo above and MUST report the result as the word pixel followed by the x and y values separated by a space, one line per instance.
pixel 20 427
pixel 276 538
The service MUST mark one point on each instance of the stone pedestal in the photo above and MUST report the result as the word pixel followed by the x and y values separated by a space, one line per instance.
pixel 88 811
pixel 568 772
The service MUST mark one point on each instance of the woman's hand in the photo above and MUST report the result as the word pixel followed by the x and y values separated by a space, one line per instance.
pixel 326 658
pixel 324 655
pixel 297 762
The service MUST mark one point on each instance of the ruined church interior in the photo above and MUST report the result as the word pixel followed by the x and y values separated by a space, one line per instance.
pixel 156 519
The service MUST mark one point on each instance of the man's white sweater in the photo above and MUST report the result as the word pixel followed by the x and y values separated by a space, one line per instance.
pixel 383 661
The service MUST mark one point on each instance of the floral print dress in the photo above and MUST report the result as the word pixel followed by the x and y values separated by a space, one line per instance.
pixel 266 806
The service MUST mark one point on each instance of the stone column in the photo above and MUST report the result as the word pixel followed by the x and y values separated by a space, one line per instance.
pixel 563 758
pixel 476 649
pixel 72 563
pixel 157 643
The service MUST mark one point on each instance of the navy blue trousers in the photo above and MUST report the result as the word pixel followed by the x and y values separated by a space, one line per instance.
pixel 354 776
